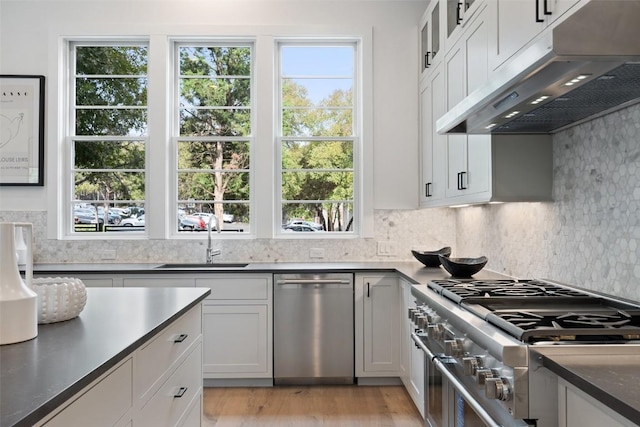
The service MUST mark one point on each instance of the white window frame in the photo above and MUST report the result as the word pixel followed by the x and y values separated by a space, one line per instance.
pixel 356 42
pixel 175 138
pixel 66 229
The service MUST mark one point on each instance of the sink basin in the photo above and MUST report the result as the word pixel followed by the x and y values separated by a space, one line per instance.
pixel 201 266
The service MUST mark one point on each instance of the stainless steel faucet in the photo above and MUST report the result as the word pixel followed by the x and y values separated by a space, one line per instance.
pixel 210 251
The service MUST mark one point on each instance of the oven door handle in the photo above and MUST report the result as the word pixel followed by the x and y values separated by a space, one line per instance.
pixel 482 413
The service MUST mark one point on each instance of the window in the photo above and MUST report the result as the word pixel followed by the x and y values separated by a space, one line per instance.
pixel 317 135
pixel 214 135
pixel 107 136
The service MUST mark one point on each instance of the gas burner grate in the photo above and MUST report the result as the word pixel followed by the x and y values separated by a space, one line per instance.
pixel 464 291
pixel 593 323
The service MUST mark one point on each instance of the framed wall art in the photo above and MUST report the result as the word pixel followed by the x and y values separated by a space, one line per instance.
pixel 21 130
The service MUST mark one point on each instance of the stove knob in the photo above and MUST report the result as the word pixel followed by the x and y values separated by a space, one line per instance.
pixel 497 388
pixel 421 322
pixel 483 374
pixel 436 331
pixel 470 365
pixel 454 347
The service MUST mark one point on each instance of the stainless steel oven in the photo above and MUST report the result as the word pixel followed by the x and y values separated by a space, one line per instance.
pixel 478 339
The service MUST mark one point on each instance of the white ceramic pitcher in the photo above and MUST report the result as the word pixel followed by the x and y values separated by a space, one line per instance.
pixel 18 302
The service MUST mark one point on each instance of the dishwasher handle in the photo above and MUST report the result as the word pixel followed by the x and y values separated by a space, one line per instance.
pixel 313 282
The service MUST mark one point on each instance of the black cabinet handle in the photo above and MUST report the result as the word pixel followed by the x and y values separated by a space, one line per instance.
pixel 427 187
pixel 427 64
pixel 538 12
pixel 368 290
pixel 462 186
pixel 546 5
pixel 458 17
pixel 181 337
pixel 181 392
pixel 459 181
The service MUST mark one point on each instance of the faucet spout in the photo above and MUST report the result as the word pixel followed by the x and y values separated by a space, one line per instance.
pixel 210 251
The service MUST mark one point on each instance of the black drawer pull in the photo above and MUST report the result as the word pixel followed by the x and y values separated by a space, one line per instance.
pixel 427 187
pixel 180 392
pixel 546 5
pixel 462 186
pixel 181 338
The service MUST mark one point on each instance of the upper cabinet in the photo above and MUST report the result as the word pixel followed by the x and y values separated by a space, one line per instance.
pixel 462 169
pixel 458 15
pixel 430 38
pixel 519 21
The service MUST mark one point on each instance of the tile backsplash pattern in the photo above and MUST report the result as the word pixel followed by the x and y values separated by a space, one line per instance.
pixel 406 228
pixel 590 235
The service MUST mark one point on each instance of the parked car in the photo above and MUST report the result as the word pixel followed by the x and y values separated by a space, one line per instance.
pixel 133 221
pixel 191 223
pixel 113 217
pixel 84 216
pixel 302 222
pixel 299 227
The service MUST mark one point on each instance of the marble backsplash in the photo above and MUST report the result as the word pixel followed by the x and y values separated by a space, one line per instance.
pixel 590 235
pixel 432 228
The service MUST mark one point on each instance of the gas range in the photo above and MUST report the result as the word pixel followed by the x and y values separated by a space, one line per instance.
pixel 537 311
pixel 480 334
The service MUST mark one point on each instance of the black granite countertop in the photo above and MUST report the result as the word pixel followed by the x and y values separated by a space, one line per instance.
pixel 612 379
pixel 38 375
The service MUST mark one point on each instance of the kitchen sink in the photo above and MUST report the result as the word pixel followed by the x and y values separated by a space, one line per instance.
pixel 201 266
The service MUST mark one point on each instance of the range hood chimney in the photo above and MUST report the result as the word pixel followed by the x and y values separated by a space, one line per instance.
pixel 586 66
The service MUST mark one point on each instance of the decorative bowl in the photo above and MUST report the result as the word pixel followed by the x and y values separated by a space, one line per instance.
pixel 59 298
pixel 431 258
pixel 463 267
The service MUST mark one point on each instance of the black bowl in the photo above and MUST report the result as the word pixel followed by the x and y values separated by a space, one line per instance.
pixel 431 258
pixel 463 267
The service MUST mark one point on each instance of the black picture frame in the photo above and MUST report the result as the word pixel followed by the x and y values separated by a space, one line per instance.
pixel 22 130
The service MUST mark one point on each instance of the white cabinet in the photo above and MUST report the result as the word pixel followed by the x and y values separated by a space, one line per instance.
pixel 159 384
pixel 237 323
pixel 462 169
pixel 517 22
pixel 412 357
pixel 468 157
pixel 377 325
pixel 577 409
pixel 432 145
pixel 108 402
pixel 158 281
pixel 431 37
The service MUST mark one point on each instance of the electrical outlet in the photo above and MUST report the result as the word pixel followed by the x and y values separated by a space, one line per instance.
pixel 387 248
pixel 108 254
pixel 316 253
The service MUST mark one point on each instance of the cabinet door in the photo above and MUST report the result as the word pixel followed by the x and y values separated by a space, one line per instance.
pixel 235 341
pixel 381 298
pixel 518 21
pixel 577 409
pixel 430 38
pixel 433 145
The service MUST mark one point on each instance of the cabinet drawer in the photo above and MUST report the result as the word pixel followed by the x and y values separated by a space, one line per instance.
pixel 156 357
pixel 103 404
pixel 171 401
pixel 238 288
pixel 158 282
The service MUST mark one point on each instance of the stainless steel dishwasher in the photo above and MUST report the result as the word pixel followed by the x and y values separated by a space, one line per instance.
pixel 313 328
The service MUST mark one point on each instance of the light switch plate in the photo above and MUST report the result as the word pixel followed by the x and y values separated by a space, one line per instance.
pixel 387 248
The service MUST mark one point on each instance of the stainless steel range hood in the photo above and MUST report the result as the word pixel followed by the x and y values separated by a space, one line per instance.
pixel 597 50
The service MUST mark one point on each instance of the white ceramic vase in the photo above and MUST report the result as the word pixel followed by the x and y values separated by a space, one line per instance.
pixel 18 303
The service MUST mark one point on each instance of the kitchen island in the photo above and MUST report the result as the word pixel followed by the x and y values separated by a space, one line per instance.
pixel 40 375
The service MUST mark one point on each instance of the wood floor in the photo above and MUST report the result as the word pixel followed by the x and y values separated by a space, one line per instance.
pixel 310 406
